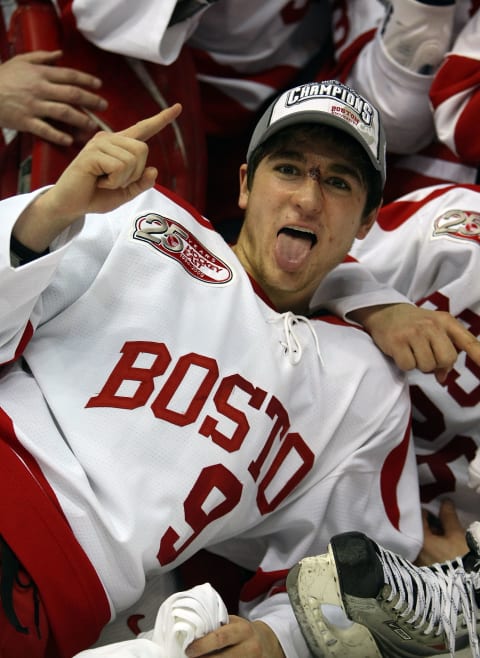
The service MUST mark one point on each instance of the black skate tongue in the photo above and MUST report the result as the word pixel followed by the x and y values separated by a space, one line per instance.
pixel 472 536
pixel 359 568
pixel 471 561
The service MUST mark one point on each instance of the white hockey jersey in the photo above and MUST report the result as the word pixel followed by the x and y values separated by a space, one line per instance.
pixel 427 245
pixel 163 406
pixel 453 156
pixel 247 52
pixel 455 94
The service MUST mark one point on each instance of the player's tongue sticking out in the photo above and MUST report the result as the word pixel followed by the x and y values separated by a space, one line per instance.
pixel 293 247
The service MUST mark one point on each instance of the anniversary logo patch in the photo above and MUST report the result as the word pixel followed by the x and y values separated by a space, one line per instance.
pixel 175 241
pixel 458 224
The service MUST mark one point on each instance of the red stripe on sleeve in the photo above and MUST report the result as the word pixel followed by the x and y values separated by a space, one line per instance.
pixel 35 528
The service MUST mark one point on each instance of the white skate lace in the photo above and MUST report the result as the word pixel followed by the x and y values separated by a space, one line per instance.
pixel 432 598
pixel 292 345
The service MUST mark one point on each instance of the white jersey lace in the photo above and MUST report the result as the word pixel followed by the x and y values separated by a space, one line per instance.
pixel 292 345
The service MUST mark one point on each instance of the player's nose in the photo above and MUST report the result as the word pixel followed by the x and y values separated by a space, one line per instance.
pixel 307 195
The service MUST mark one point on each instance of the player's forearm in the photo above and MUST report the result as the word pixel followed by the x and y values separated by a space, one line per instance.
pixel 41 222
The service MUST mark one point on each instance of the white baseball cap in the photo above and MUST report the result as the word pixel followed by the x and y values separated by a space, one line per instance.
pixel 328 102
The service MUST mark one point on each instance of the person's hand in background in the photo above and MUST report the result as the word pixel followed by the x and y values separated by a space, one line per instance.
pixel 33 93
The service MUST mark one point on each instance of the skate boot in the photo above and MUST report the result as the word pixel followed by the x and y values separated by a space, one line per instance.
pixel 360 600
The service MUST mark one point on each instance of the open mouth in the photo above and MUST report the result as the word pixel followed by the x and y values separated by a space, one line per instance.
pixel 300 233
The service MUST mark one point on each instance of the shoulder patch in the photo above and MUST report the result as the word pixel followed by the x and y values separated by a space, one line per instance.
pixel 175 241
pixel 459 224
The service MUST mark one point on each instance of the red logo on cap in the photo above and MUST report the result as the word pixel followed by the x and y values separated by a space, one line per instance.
pixel 345 113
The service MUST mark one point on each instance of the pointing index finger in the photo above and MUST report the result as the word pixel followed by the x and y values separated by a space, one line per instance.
pixel 466 341
pixel 147 128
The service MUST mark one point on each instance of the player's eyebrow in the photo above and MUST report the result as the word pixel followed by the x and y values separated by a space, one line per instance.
pixel 288 154
pixel 345 169
pixel 336 167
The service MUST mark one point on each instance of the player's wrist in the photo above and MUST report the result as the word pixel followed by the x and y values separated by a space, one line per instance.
pixel 41 222
pixel 20 254
pixel 271 647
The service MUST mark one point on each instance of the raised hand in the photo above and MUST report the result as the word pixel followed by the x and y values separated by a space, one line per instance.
pixel 419 338
pixel 109 171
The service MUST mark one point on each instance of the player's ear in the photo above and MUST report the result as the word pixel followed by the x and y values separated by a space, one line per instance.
pixel 244 192
pixel 367 224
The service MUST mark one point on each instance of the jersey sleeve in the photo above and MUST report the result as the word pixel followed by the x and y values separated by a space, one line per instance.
pixel 416 236
pixel 351 286
pixel 405 250
pixel 455 95
pixel 21 287
pixel 137 29
pixel 400 95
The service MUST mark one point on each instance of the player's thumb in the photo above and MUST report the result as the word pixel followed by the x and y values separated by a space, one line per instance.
pixel 449 517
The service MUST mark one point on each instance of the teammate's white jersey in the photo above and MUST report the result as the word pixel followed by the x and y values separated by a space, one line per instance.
pixel 454 156
pixel 248 51
pixel 165 406
pixel 427 245
pixel 454 93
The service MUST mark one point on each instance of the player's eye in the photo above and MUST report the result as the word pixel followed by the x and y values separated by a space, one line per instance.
pixel 287 169
pixel 338 182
